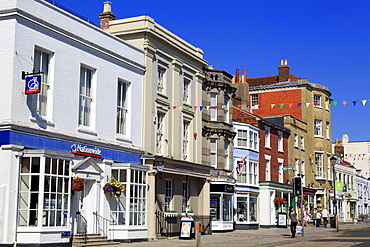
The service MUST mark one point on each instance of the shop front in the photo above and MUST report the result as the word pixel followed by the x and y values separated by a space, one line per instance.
pixel 58 190
pixel 246 202
pixel 221 205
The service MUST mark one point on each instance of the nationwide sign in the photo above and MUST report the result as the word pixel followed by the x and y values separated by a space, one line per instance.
pixel 33 84
pixel 86 150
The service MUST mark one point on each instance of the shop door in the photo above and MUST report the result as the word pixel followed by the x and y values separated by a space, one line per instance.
pixel 86 208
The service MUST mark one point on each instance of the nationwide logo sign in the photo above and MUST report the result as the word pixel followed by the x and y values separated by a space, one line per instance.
pixel 33 84
pixel 86 150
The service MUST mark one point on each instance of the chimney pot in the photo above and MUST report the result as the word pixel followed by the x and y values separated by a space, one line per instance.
pixel 107 7
pixel 106 16
pixel 284 71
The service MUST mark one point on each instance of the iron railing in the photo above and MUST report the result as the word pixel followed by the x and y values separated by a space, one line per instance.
pixel 82 226
pixel 169 226
pixel 101 226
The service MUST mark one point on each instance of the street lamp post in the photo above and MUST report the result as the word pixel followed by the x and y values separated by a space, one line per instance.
pixel 333 161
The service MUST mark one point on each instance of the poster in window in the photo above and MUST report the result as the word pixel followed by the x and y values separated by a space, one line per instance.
pixel 185 229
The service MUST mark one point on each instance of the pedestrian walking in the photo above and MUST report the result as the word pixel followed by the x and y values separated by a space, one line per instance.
pixel 314 216
pixel 318 219
pixel 307 216
pixel 325 215
pixel 293 221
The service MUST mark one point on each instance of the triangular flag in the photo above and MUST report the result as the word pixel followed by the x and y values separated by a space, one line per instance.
pixel 200 108
pixel 335 103
pixel 344 103
pixel 180 107
pixel 326 103
pixel 207 107
pixel 290 105
pixel 239 106
pixel 174 107
pixel 354 102
pixel 299 104
pixel 223 106
pixel 187 107
pixel 272 105
pixel 307 104
pixel 281 106
pixel 231 106
pixel 315 104
pixel 195 108
pixel 216 106
pixel 247 106
pixel 364 102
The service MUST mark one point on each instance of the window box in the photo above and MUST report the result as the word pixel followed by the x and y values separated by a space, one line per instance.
pixel 191 214
pixel 170 214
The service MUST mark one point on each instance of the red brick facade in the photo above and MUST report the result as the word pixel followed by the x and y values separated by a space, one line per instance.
pixel 290 99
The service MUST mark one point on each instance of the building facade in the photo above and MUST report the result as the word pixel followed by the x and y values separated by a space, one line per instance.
pixel 287 94
pixel 73 123
pixel 172 131
pixel 217 137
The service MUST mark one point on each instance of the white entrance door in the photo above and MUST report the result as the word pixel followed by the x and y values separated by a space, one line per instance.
pixel 87 206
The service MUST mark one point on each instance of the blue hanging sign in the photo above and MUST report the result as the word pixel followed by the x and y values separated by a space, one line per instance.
pixel 33 84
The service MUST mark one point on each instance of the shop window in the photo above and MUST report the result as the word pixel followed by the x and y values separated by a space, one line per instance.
pixel 242 209
pixel 55 192
pixel 135 183
pixel 215 211
pixel 253 209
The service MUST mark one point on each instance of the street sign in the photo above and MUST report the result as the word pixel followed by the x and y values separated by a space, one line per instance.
pixel 339 186
pixel 287 168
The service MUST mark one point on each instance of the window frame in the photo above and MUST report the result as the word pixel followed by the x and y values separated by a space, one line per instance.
pixel 318 128
pixel 123 112
pixel 168 196
pixel 268 137
pixel 160 132
pixel 317 99
pixel 213 110
pixel 213 152
pixel 86 97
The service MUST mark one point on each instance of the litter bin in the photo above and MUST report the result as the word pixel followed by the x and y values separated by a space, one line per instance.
pixel 282 220
pixel 187 229
pixel 332 221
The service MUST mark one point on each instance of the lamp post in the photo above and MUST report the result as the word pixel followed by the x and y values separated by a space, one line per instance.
pixel 333 161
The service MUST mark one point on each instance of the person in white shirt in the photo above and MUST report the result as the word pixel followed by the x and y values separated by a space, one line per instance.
pixel 325 215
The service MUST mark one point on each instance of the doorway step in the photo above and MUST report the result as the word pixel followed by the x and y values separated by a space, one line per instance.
pixel 91 240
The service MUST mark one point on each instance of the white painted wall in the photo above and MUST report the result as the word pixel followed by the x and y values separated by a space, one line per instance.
pixel 73 42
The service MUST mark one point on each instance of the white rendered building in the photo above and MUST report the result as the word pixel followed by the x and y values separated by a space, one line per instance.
pixel 363 190
pixel 358 154
pixel 85 122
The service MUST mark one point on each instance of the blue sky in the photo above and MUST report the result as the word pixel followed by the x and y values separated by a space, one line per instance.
pixel 326 42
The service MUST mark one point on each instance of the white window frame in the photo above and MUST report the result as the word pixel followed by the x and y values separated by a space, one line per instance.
pixel 213 151
pixel 185 140
pixel 280 141
pixel 242 138
pixel 39 103
pixel 243 177
pixel 267 137
pixel 168 205
pixel 295 140
pixel 51 205
pixel 303 171
pixel 161 79
pixel 160 132
pixel 296 167
pixel 319 164
pixel 226 109
pixel 328 130
pixel 254 101
pixel 185 196
pixel 280 170
pixel 86 96
pixel 302 143
pixel 255 141
pixel 186 96
pixel 213 110
pixel 268 168
pixel 226 154
pixel 317 99
pixel 123 114
pixel 318 127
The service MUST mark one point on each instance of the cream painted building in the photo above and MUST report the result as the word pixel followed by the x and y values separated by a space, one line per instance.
pixel 172 127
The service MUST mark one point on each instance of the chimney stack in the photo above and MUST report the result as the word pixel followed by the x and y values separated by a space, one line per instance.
pixel 245 75
pixel 106 16
pixel 284 70
pixel 237 75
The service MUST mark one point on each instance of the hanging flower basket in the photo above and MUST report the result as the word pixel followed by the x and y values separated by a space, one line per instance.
pixel 78 184
pixel 279 200
pixel 114 187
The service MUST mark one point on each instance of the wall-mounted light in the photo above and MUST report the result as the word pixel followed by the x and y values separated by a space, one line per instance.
pixel 195 135
pixel 159 165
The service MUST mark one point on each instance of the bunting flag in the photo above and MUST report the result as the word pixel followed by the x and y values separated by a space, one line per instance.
pixel 281 105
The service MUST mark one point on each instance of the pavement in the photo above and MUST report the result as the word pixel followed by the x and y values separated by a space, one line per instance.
pixel 267 237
